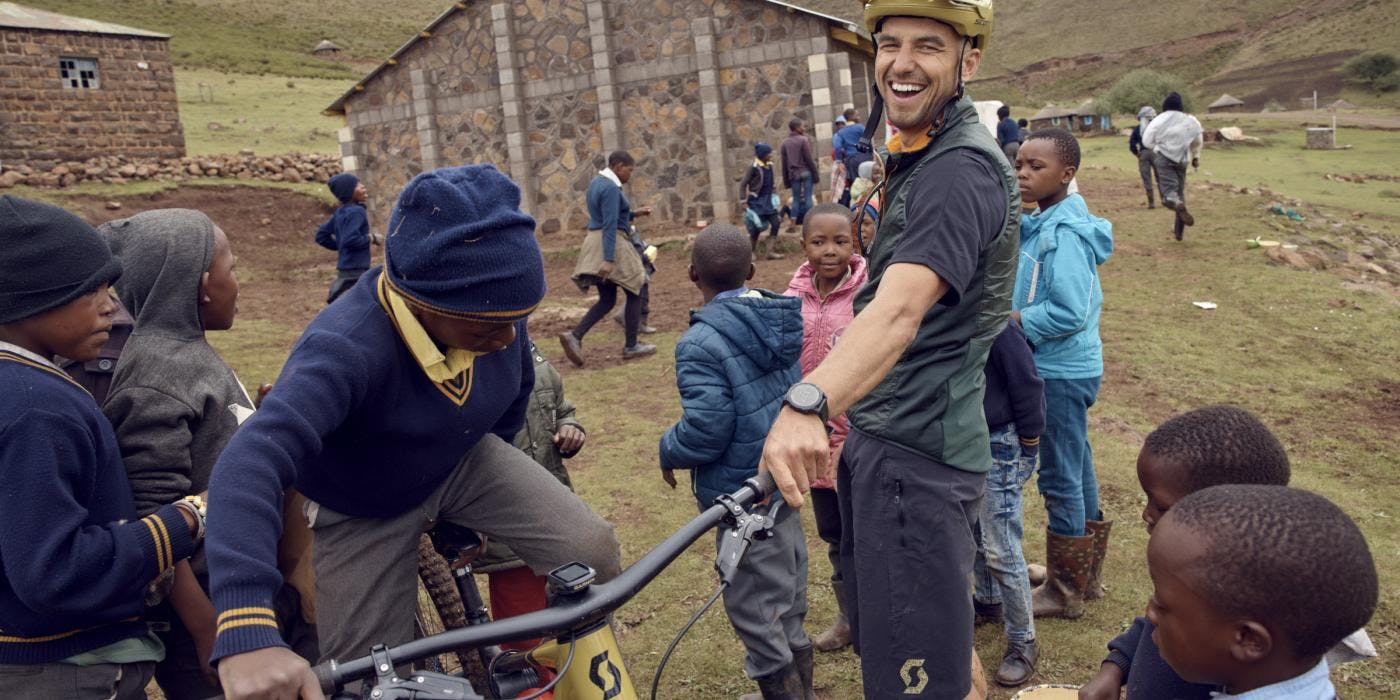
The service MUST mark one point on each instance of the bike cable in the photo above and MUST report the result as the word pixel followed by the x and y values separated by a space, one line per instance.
pixel 558 675
pixel 656 679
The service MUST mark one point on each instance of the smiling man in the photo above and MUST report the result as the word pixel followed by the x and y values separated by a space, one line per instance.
pixel 909 368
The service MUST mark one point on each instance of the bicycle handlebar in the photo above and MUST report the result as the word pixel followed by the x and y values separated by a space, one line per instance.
pixel 570 614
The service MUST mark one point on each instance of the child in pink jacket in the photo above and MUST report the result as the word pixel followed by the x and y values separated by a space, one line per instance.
pixel 827 284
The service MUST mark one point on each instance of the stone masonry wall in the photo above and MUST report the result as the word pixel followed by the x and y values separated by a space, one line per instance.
pixel 758 102
pixel 551 39
pixel 563 137
pixel 389 159
pixel 663 129
pixel 133 113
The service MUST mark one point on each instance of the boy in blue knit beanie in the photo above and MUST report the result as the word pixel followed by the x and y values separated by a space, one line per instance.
pixel 396 409
pixel 347 233
pixel 75 561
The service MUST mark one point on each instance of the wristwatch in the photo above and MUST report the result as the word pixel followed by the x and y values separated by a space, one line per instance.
pixel 194 505
pixel 807 398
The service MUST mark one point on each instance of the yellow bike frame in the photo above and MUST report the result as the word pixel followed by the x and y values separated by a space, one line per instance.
pixel 597 671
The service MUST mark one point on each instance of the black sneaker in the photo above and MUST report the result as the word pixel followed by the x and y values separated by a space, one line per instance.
pixel 986 613
pixel 1018 664
pixel 573 349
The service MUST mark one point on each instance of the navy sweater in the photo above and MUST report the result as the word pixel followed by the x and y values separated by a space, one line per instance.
pixel 1145 675
pixel 357 426
pixel 76 561
pixel 347 231
pixel 1015 393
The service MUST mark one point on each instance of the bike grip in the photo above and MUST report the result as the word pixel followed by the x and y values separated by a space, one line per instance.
pixel 762 483
pixel 325 676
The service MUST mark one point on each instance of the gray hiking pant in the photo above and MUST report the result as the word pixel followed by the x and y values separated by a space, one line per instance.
pixel 1171 180
pixel 1145 158
pixel 767 602
pixel 57 680
pixel 366 568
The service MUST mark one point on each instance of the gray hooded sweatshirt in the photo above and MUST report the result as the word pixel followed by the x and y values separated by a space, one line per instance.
pixel 174 402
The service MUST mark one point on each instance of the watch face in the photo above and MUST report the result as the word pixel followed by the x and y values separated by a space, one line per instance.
pixel 805 396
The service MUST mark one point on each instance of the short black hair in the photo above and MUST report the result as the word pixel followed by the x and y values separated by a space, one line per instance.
pixel 722 257
pixel 1022 122
pixel 617 158
pixel 1220 445
pixel 1284 557
pixel 1003 112
pixel 825 209
pixel 1173 102
pixel 795 123
pixel 1066 146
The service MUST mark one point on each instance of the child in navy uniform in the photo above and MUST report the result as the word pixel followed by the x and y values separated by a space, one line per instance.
pixel 347 233
pixel 733 366
pixel 1252 585
pixel 77 563
pixel 396 408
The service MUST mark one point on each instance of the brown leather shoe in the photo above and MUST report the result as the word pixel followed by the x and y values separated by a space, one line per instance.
pixel 573 348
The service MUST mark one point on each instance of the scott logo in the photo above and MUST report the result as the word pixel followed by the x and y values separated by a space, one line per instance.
pixel 595 673
pixel 914 677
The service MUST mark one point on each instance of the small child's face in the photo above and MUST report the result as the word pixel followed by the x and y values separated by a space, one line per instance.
pixel 77 330
pixel 1039 171
pixel 827 241
pixel 1195 637
pixel 218 303
pixel 473 336
pixel 868 226
pixel 360 193
pixel 1161 479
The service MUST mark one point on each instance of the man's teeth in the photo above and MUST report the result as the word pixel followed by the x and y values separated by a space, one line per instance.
pixel 906 87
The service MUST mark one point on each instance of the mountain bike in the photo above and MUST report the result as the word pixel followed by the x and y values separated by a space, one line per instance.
pixel 581 652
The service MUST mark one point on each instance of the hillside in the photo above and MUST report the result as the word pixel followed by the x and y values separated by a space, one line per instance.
pixel 1042 50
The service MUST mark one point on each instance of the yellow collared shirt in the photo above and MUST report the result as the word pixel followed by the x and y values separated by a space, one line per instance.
pixel 451 371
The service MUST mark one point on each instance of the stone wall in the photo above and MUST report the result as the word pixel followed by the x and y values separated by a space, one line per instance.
pixel 543 89
pixel 133 113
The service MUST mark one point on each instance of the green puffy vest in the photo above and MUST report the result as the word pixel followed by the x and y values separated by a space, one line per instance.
pixel 931 402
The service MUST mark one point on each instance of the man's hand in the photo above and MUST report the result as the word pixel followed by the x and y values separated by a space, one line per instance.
pixel 642 211
pixel 272 673
pixel 669 477
pixel 1106 685
pixel 1195 163
pixel 1016 315
pixel 795 453
pixel 569 440
pixel 262 394
pixel 605 270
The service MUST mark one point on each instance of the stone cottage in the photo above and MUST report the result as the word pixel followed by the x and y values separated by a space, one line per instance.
pixel 74 88
pixel 544 89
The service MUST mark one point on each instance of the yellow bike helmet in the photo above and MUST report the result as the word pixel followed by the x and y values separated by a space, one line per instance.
pixel 970 18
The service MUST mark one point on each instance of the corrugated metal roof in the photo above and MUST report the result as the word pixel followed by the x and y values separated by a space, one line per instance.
pixel 338 107
pixel 21 17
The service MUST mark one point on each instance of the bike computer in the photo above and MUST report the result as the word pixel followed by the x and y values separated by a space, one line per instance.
pixel 571 578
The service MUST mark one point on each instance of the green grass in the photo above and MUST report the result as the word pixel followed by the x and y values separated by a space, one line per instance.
pixel 268 113
pixel 267 36
pixel 1317 359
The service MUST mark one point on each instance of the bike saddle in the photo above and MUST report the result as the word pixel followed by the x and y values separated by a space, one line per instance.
pixel 460 546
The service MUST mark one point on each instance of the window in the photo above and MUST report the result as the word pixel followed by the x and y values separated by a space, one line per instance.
pixel 79 73
pixel 1089 121
pixel 1055 121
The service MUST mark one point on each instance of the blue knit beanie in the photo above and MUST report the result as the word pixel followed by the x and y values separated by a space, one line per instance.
pixel 762 150
pixel 459 246
pixel 343 186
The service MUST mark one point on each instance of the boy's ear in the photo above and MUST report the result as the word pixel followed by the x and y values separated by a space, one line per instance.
pixel 752 270
pixel 1252 642
pixel 1069 175
pixel 694 278
pixel 203 283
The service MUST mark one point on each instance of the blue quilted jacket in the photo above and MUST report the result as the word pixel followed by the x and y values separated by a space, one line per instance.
pixel 732 368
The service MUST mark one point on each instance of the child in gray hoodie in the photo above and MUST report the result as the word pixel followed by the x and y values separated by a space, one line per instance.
pixel 175 403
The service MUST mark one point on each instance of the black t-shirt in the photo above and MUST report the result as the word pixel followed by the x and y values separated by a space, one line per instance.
pixel 955 208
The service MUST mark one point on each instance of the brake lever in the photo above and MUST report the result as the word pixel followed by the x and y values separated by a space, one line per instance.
pixel 745 529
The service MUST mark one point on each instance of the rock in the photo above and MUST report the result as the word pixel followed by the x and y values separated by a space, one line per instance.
pixel 1376 269
pixel 195 170
pixel 1292 259
pixel 127 170
pixel 549 226
pixel 245 152
pixel 265 221
pixel 215 126
pixel 68 180
pixel 10 179
pixel 60 170
pixel 113 205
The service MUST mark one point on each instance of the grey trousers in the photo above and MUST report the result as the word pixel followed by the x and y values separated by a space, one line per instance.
pixel 767 602
pixel 99 682
pixel 1171 180
pixel 1145 158
pixel 366 568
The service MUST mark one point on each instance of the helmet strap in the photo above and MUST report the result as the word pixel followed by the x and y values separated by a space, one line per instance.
pixel 938 123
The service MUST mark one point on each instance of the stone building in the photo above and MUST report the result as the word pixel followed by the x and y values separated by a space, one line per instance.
pixel 73 88
pixel 544 89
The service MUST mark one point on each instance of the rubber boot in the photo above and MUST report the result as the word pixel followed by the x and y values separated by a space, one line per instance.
pixel 1068 560
pixel 838 636
pixel 802 659
pixel 1178 227
pixel 783 684
pixel 1099 529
